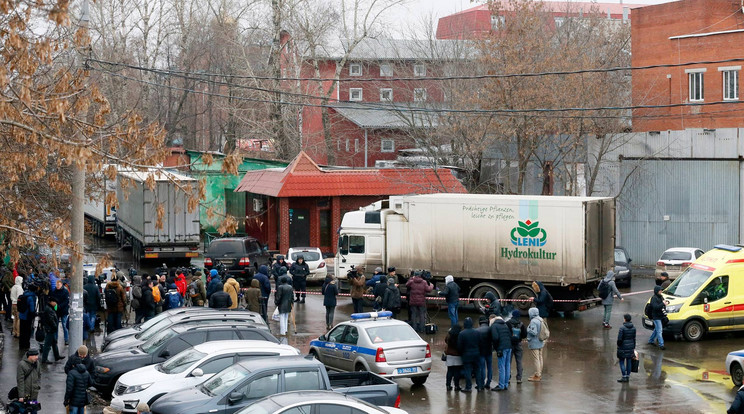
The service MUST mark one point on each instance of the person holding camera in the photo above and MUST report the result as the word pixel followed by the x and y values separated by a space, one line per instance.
pixel 357 281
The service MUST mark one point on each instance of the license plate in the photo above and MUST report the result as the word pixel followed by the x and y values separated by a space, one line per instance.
pixel 407 370
pixel 672 268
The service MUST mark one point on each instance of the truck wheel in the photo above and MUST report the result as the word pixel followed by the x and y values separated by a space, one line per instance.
pixel 479 292
pixel 737 374
pixel 419 380
pixel 693 331
pixel 524 295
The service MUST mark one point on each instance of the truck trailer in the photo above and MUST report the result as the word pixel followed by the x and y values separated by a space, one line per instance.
pixel 489 243
pixel 137 218
pixel 101 215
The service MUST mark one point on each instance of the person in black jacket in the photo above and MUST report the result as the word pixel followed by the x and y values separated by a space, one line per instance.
pixel 62 295
pixel 493 307
pixel 391 299
pixel 275 268
pixel 543 300
pixel 220 300
pixel 49 323
pixel 76 391
pixel 299 271
pixel 485 362
pixel 451 293
pixel 658 313
pixel 468 345
pixel 92 302
pixel 147 302
pixel 501 338
pixel 330 291
pixel 81 357
pixel 518 333
pixel 737 406
pixel 626 343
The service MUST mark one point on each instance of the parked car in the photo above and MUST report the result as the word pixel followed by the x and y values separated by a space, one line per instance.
pixel 120 333
pixel 245 382
pixel 241 256
pixel 315 402
pixel 199 319
pixel 113 364
pixel 623 273
pixel 674 261
pixel 375 342
pixel 314 259
pixel 735 366
pixel 190 368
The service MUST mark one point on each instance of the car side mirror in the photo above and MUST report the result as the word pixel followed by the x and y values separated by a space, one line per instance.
pixel 322 338
pixel 235 397
pixel 198 372
pixel 343 260
pixel 165 354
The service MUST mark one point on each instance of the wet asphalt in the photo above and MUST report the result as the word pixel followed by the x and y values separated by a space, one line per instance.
pixel 579 376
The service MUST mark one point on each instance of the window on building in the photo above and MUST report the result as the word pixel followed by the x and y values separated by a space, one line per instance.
pixel 497 22
pixel 355 69
pixel 386 69
pixel 388 145
pixel 559 21
pixel 356 145
pixel 386 94
pixel 419 95
pixel 347 144
pixel 419 69
pixel 695 77
pixel 355 94
pixel 730 84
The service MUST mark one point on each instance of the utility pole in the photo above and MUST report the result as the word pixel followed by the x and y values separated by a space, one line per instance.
pixel 77 233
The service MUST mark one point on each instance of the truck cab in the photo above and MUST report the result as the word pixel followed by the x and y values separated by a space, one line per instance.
pixel 361 241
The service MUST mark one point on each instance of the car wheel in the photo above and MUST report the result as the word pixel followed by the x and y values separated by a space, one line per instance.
pixel 314 355
pixel 693 331
pixel 737 374
pixel 359 367
pixel 419 380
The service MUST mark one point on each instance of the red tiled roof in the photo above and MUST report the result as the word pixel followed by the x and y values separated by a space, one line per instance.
pixel 304 178
pixel 562 7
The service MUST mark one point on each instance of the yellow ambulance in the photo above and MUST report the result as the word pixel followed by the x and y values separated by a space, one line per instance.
pixel 708 296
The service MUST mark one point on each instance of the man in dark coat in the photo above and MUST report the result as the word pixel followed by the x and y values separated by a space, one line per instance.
pixel 92 301
pixel 626 343
pixel 737 406
pixel 658 313
pixel 220 300
pixel 265 284
pixel 391 299
pixel 493 307
pixel 283 300
pixel 49 323
pixel 501 338
pixel 27 317
pixel 451 293
pixel 417 290
pixel 81 357
pixel 62 296
pixel 330 292
pixel 28 377
pixel 299 271
pixel 543 300
pixel 468 345
pixel 147 303
pixel 485 362
pixel 379 292
pixel 76 390
pixel 278 264
pixel 518 334
pixel 215 285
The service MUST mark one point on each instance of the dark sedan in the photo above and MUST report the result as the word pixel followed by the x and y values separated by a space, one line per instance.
pixel 623 273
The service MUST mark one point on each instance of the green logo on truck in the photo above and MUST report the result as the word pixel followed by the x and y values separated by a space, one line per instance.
pixel 528 233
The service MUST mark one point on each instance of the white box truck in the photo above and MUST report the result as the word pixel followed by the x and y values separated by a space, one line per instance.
pixel 490 243
pixel 137 218
pixel 101 215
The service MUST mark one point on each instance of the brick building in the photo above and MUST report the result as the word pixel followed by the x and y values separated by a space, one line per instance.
pixel 680 32
pixel 378 106
pixel 302 204
pixel 479 21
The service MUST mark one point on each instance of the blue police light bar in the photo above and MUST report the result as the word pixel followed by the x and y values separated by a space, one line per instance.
pixel 371 315
pixel 727 247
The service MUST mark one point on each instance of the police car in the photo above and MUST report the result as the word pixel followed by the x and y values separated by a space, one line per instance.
pixel 735 366
pixel 375 342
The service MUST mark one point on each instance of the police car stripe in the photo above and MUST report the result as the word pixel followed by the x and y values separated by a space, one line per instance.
pixel 334 345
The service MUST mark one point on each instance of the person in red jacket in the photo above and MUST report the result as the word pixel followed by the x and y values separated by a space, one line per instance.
pixel 181 285
pixel 417 290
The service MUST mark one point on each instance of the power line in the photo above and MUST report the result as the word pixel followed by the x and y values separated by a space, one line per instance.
pixel 375 107
pixel 420 78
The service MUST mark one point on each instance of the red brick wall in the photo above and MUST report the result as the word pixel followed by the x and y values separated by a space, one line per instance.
pixel 651 29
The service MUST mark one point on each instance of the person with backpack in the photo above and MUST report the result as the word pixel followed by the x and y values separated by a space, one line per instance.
pixel 330 292
pixel 607 291
pixel 535 342
pixel 626 343
pixel 417 290
pixel 299 271
pixel 27 309
pixel 116 299
pixel 501 335
pixel 215 284
pixel 451 293
pixel 391 300
pixel 137 298
pixel 173 298
pixel 232 287
pixel 656 311
pixel 91 301
pixel 518 333
pixel 50 325
pixel 197 291
pixel 76 389
pixel 62 297
pixel 15 293
pixel 28 378
pixel 543 300
pixel 263 280
pixel 485 362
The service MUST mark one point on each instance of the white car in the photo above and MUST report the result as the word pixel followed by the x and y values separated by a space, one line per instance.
pixel 314 259
pixel 735 366
pixel 674 261
pixel 315 402
pixel 189 369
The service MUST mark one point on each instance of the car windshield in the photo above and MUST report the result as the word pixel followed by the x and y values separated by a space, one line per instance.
pixel 688 282
pixel 225 380
pixel 225 247
pixel 145 326
pixel 148 333
pixel 392 333
pixel 182 361
pixel 675 255
pixel 157 340
pixel 308 256
pixel 620 256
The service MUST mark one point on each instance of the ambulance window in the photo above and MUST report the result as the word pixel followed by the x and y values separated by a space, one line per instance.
pixel 717 289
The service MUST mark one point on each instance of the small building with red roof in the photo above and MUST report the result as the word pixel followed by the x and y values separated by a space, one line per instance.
pixel 302 204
